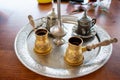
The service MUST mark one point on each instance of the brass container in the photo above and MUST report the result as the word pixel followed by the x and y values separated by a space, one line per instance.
pixel 42 43
pixel 73 55
pixel 74 52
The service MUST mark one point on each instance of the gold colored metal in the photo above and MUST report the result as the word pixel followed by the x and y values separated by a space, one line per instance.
pixel 42 43
pixel 74 53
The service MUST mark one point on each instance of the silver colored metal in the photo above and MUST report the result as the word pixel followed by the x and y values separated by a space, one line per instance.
pixel 59 11
pixel 84 25
pixel 53 64
pixel 51 19
pixel 58 30
pixel 92 33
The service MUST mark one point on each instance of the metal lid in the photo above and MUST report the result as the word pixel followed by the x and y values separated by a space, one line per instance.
pixel 84 21
pixel 52 15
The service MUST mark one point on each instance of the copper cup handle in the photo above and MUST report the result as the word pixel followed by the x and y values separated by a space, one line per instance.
pixel 93 22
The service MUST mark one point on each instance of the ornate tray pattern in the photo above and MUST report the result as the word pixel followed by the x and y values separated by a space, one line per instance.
pixel 53 65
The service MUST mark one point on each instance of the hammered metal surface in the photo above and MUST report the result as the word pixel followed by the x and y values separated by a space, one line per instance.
pixel 53 65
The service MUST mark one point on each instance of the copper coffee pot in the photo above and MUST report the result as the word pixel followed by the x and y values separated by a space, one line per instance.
pixel 42 43
pixel 74 52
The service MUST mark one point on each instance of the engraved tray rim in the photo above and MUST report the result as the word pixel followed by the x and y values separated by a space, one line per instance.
pixel 32 67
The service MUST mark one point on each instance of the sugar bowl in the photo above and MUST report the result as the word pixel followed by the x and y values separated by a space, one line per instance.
pixel 84 25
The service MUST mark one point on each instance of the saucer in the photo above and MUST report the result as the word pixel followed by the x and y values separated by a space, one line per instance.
pixel 92 33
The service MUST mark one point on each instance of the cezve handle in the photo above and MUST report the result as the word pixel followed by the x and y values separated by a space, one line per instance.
pixel 104 43
pixel 31 21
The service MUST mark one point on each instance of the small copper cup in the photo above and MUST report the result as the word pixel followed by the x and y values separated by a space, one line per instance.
pixel 42 43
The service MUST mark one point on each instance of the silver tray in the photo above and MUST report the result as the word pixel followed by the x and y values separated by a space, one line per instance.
pixel 53 65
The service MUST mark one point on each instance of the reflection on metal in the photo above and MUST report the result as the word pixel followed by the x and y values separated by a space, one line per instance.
pixel 58 30
pixel 51 19
pixel 75 50
pixel 84 25
pixel 53 64
pixel 42 43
